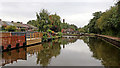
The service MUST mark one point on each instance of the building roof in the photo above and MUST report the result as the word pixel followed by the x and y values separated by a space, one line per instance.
pixel 31 26
pixel 1 23
pixel 5 23
pixel 19 25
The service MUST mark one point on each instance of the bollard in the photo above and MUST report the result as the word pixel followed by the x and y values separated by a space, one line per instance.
pixel 17 45
pixel 9 47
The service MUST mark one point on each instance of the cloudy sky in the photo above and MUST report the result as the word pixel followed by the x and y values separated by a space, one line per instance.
pixel 77 12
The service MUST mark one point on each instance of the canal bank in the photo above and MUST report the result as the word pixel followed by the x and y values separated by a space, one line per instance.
pixel 111 40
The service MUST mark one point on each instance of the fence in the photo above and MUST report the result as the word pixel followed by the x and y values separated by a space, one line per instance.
pixel 30 35
pixel 34 37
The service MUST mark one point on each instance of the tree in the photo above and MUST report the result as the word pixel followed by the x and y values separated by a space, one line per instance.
pixel 46 21
pixel 3 28
pixel 109 22
pixel 32 22
pixel 81 30
pixel 92 24
pixel 55 22
pixel 106 23
pixel 43 19
pixel 73 26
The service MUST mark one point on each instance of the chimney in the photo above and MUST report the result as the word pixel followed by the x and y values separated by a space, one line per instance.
pixel 12 21
pixel 63 20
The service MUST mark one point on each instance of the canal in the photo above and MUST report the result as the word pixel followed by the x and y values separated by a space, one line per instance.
pixel 67 51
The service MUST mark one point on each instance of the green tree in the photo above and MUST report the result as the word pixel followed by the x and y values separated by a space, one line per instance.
pixel 81 30
pixel 106 23
pixel 92 24
pixel 3 28
pixel 32 22
pixel 55 22
pixel 109 22
pixel 46 21
pixel 42 20
pixel 73 26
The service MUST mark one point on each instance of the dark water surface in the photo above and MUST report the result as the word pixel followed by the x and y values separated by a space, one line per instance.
pixel 73 51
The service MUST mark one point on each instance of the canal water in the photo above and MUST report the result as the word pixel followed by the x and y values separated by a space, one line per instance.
pixel 67 51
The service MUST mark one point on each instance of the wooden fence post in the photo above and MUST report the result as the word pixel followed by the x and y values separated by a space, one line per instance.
pixel 30 36
pixel 39 35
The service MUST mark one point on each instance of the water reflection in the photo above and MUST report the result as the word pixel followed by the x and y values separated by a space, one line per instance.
pixel 13 56
pixel 44 52
pixel 52 49
pixel 49 50
pixel 108 54
pixel 77 48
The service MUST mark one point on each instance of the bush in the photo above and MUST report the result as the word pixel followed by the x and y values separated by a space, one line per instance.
pixel 10 28
pixel 60 34
pixel 49 31
pixel 45 36
pixel 22 29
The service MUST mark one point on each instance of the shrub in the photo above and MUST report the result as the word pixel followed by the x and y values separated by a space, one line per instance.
pixel 22 29
pixel 10 28
pixel 60 34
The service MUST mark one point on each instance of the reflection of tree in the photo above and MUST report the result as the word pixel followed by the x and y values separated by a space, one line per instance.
pixel 65 41
pixel 50 50
pixel 85 39
pixel 108 54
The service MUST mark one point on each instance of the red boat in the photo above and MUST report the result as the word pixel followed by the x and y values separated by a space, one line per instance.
pixel 11 40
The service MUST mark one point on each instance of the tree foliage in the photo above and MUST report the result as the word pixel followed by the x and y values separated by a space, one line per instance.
pixel 107 23
pixel 46 21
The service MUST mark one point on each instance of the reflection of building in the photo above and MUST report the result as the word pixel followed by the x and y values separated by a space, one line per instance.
pixel 14 55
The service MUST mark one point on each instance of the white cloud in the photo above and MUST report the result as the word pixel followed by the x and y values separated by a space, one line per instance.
pixel 79 19
pixel 78 12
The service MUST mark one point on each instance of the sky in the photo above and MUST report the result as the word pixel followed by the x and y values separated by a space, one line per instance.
pixel 78 12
